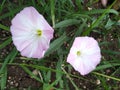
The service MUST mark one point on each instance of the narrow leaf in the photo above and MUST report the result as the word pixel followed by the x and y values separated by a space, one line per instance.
pixel 56 44
pixel 98 11
pixel 11 55
pixel 4 27
pixel 4 79
pixel 66 23
pixel 97 22
pixel 107 66
pixel 5 43
pixel 52 2
pixel 30 73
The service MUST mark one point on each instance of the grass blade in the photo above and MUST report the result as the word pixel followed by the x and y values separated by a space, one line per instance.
pixel 5 43
pixel 41 68
pixel 66 23
pixel 52 3
pixel 98 11
pixel 56 44
pixel 30 73
pixel 107 66
pixel 117 79
pixel 49 87
pixel 4 27
pixel 3 79
pixel 1 7
pixel 87 32
pixel 11 55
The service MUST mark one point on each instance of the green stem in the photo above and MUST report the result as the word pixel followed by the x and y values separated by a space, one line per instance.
pixel 53 12
pixel 106 76
pixel 87 32
pixel 76 88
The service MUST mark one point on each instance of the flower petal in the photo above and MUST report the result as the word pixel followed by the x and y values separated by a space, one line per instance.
pixel 36 49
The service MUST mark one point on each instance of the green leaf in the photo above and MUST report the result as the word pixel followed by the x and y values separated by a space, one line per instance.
pixel 109 24
pixel 33 3
pixel 48 76
pixel 106 76
pixel 5 43
pixel 52 3
pixel 111 52
pixel 98 11
pixel 58 67
pixel 66 23
pixel 41 68
pixel 3 79
pixel 78 15
pixel 1 6
pixel 59 63
pixel 11 55
pixel 51 85
pixel 30 73
pixel 4 27
pixel 101 67
pixel 14 11
pixel 56 44
pixel 97 21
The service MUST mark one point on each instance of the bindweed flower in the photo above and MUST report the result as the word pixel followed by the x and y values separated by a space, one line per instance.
pixel 104 2
pixel 31 34
pixel 84 55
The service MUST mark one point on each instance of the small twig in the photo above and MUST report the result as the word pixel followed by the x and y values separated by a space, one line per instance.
pixel 40 75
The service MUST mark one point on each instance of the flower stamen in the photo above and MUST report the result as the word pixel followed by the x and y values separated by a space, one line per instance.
pixel 39 32
pixel 78 53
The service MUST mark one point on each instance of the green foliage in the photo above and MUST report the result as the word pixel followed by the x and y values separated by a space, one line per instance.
pixel 69 19
pixel 56 44
pixel 3 69
pixel 5 43
pixel 4 27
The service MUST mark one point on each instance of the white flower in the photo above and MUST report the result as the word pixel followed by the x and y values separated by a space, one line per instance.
pixel 31 33
pixel 84 55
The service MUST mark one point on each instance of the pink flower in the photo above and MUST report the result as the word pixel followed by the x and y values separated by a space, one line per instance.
pixel 104 2
pixel 31 33
pixel 84 55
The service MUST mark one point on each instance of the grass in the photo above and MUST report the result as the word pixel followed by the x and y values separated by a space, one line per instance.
pixel 69 19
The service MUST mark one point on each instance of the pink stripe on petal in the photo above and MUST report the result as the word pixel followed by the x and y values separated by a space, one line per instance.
pixel 32 51
pixel 39 52
pixel 21 44
pixel 44 43
pixel 48 34
pixel 36 49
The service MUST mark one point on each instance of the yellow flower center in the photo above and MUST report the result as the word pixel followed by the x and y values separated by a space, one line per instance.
pixel 39 32
pixel 78 53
